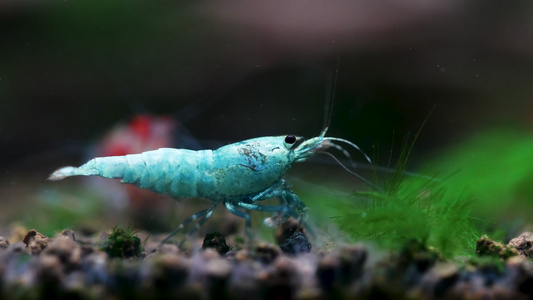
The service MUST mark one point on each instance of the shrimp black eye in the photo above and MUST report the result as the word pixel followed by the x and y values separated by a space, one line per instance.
pixel 290 139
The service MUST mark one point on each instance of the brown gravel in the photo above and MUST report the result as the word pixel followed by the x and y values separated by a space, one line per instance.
pixel 523 243
pixel 73 266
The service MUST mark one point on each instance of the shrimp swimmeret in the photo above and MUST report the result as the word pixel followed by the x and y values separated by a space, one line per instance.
pixel 239 175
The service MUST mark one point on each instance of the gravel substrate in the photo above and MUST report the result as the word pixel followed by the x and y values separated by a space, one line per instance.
pixel 71 267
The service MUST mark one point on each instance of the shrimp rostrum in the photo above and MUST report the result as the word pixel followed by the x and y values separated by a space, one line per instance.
pixel 238 175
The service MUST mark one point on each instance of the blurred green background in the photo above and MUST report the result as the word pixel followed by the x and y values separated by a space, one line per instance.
pixel 231 70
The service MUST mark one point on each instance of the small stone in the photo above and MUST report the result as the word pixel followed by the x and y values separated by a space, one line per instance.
pixel 68 233
pixel 486 246
pixel 218 267
pixel 341 267
pixel 4 243
pixel 444 276
pixel 216 241
pixel 36 241
pixel 169 248
pixel 266 253
pixel 49 268
pixel 242 255
pixel 291 238
pixel 170 270
pixel 328 272
pixel 296 244
pixel 287 229
pixel 524 244
pixel 281 282
pixel 66 250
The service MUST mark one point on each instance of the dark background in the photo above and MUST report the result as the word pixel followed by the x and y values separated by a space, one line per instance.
pixel 231 70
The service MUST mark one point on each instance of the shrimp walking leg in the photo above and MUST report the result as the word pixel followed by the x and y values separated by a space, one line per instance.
pixel 283 210
pixel 288 198
pixel 202 221
pixel 202 216
pixel 267 208
pixel 245 215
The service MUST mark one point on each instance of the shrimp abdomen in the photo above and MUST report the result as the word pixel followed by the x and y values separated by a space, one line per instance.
pixel 174 172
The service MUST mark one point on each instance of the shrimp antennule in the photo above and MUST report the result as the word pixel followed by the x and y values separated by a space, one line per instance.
pixel 351 144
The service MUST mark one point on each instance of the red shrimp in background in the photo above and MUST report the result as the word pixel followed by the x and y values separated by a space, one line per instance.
pixel 141 133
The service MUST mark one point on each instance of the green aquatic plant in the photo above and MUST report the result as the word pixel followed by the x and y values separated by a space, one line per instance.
pixel 483 187
pixel 392 218
pixel 417 208
pixel 123 243
pixel 493 169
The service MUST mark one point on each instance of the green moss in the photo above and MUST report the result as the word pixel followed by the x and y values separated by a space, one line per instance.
pixel 411 208
pixel 123 243
pixel 484 186
pixel 493 170
pixel 427 216
pixel 487 247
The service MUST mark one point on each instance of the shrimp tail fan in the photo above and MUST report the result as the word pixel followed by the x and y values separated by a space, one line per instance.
pixel 70 171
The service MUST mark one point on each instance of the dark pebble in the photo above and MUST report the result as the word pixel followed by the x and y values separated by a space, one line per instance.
pixel 296 244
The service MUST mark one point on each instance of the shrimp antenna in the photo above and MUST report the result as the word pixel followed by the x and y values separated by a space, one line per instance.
pixel 351 144
pixel 349 171
pixel 330 97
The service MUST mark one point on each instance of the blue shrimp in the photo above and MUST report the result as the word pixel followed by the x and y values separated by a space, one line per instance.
pixel 238 175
